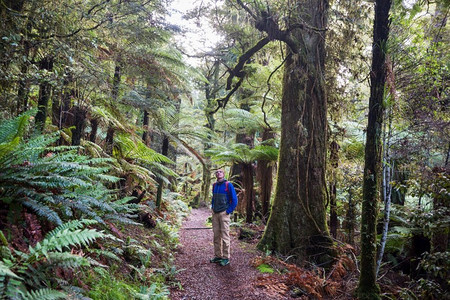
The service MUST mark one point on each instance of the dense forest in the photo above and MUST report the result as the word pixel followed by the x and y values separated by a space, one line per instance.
pixel 331 119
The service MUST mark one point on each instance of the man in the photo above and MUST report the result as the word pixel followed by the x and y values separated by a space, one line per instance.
pixel 223 203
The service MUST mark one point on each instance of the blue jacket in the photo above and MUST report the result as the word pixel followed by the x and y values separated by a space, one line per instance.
pixel 219 189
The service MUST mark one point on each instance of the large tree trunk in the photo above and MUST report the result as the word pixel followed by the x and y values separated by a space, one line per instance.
pixel 297 224
pixel 367 288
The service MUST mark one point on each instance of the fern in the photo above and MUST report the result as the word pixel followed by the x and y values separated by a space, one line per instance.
pixel 64 238
pixel 6 271
pixel 44 294
pixel 15 128
pixel 67 260
pixel 54 182
pixel 31 269
pixel 72 225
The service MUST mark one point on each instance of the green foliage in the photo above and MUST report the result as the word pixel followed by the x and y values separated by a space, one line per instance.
pixel 242 153
pixel 154 292
pixel 57 183
pixel 25 275
pixel 109 287
pixel 265 268
pixel 44 294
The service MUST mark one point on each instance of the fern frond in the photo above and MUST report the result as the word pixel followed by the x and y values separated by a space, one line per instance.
pixel 6 271
pixel 105 253
pixel 15 128
pixel 66 260
pixel 71 225
pixel 135 149
pixel 44 294
pixel 65 238
pixel 123 218
pixel 43 210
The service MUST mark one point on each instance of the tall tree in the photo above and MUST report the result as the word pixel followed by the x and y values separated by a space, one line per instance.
pixel 367 288
pixel 297 224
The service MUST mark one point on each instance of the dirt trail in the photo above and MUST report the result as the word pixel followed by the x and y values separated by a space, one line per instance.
pixel 203 280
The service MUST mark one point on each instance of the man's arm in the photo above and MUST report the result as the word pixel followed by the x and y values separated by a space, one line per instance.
pixel 234 201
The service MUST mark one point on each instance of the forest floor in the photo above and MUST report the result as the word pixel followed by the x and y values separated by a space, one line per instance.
pixel 201 280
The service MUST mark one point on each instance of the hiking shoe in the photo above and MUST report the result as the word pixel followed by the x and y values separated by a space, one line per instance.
pixel 224 262
pixel 215 260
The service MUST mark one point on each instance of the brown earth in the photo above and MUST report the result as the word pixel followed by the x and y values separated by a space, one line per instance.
pixel 201 279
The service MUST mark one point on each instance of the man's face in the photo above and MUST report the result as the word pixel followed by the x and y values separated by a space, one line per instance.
pixel 219 174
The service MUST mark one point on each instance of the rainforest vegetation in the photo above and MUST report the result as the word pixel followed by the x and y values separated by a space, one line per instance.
pixel 331 118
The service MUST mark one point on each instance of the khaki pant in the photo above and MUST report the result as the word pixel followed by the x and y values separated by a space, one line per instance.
pixel 221 229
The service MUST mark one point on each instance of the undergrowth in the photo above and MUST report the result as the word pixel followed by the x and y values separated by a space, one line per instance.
pixel 66 233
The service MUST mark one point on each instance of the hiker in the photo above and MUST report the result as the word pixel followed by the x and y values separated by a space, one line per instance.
pixel 223 203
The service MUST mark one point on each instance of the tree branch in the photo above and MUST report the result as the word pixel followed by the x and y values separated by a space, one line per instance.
pixel 268 90
pixel 237 70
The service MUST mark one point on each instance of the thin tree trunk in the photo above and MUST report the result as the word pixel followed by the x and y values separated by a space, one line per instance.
pixel 145 135
pixel 334 161
pixel 44 94
pixel 249 193
pixel 164 151
pixel 265 178
pixel 350 219
pixel 210 95
pixel 367 288
pixel 386 187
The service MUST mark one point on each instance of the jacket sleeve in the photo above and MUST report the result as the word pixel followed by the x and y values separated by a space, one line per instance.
pixel 233 200
pixel 212 197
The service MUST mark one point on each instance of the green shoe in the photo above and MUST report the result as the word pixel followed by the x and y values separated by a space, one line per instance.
pixel 224 262
pixel 215 260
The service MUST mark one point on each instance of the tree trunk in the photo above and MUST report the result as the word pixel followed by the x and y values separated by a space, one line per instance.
pixel 145 135
pixel 211 89
pixel 116 81
pixel 79 123
pixel 386 187
pixel 367 288
pixel 206 183
pixel 109 141
pixel 350 219
pixel 45 89
pixel 164 151
pixel 249 193
pixel 94 128
pixel 334 161
pixel 243 184
pixel 297 224
pixel 264 176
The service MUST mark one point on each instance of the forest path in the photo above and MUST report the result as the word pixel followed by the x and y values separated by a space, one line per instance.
pixel 203 280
